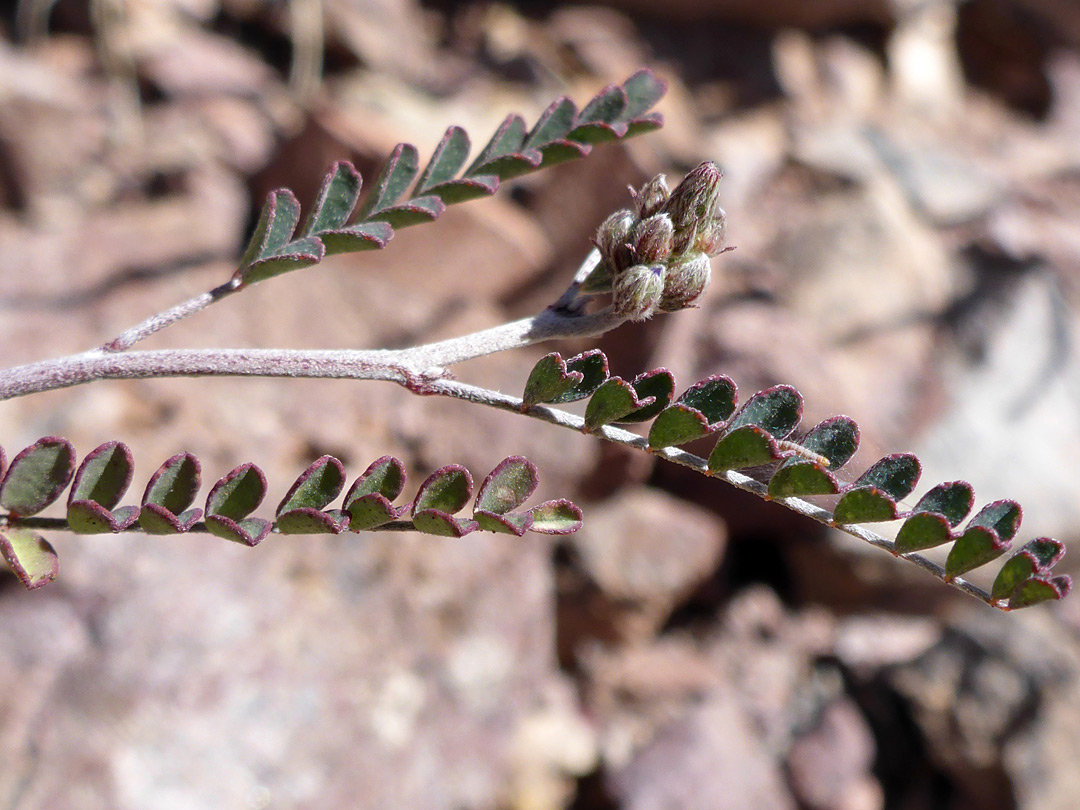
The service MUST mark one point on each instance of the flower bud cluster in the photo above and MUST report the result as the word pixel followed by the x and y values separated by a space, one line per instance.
pixel 656 256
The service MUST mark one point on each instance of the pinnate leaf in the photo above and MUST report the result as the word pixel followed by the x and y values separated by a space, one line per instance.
pixel 336 201
pixel 875 494
pixel 1036 558
pixel 922 530
pixel 300 511
pixel 508 486
pixel 556 517
pixel 170 491
pixel 554 123
pixel 37 476
pixel 1040 589
pixel 100 483
pixel 507 140
pixel 977 546
pixel 952 500
pixel 369 500
pixel 29 556
pixel 657 385
pixel 835 439
pixel 104 475
pixel 613 400
pixel 231 500
pixel 396 177
pixel 446 161
pixel 557 381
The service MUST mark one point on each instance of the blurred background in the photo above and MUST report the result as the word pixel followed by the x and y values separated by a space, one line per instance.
pixel 903 188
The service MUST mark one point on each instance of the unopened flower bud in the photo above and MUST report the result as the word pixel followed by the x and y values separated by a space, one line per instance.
pixel 711 234
pixel 636 293
pixel 652 239
pixel 650 198
pixel 614 233
pixel 685 281
pixel 684 239
pixel 696 197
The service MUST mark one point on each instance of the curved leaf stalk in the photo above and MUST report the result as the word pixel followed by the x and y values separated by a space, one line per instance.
pixel 40 473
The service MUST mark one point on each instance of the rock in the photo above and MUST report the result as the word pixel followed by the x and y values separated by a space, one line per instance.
pixel 646 551
pixel 830 765
pixel 711 759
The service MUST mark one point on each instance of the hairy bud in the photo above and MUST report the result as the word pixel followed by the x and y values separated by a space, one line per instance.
pixel 614 233
pixel 636 293
pixel 650 198
pixel 711 234
pixel 652 239
pixel 696 197
pixel 686 280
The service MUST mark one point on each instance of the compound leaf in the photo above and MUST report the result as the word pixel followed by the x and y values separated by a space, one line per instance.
pixel 507 140
pixel 613 400
pixel 553 380
pixel 300 510
pixel 37 476
pixel 658 386
pixel 952 500
pixel 1040 589
pixel 446 490
pixel 446 161
pixel 553 124
pixel 170 491
pixel 336 201
pixel 104 475
pixel 777 410
pixel 977 546
pixel 556 517
pixel 508 486
pixel 231 500
pixel 1001 517
pixel 316 486
pixel 29 556
pixel 923 530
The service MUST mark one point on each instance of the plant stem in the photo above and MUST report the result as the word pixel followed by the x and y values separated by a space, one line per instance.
pixel 156 323
pixel 411 367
